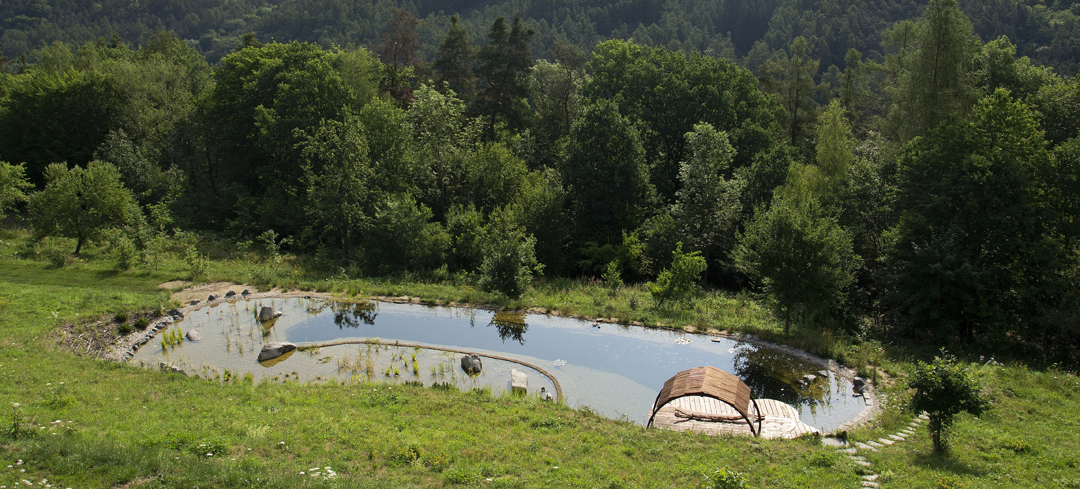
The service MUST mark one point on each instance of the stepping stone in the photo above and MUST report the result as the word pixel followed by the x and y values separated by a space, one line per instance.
pixel 885 441
pixel 870 484
pixel 861 462
pixel 874 444
pixel 924 417
pixel 865 446
pixel 871 478
pixel 848 450
pixel 898 437
pixel 857 457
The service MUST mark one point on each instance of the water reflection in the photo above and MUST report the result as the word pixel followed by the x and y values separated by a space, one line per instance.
pixel 510 324
pixel 352 314
pixel 775 374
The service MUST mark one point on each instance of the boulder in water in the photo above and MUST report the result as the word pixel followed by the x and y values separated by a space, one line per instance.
pixel 471 364
pixel 267 313
pixel 193 335
pixel 274 350
pixel 519 381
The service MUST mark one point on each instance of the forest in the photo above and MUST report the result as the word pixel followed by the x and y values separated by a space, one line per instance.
pixel 887 168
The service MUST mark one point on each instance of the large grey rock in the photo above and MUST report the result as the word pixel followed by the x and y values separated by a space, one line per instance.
pixel 230 294
pixel 246 292
pixel 193 335
pixel 267 313
pixel 211 298
pixel 274 350
pixel 471 364
pixel 519 381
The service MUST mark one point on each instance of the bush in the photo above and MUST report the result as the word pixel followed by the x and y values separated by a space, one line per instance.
pixel 944 389
pixel 124 329
pixel 121 317
pixel 510 258
pixel 725 479
pixel 403 237
pixel 679 281
pixel 141 324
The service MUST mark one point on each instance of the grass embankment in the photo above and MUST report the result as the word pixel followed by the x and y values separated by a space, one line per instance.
pixel 82 422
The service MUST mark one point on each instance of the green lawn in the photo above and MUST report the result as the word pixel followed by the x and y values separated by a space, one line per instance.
pixel 82 422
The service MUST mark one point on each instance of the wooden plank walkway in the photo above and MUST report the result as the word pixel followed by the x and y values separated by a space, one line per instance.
pixel 780 420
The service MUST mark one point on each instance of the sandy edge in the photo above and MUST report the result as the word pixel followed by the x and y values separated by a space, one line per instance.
pixel 124 349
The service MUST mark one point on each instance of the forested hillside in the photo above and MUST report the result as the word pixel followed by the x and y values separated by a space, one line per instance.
pixel 1047 31
pixel 928 188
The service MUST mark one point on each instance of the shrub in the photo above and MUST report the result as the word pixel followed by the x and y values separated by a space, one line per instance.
pixel 680 280
pixel 124 329
pixel 141 323
pixel 121 317
pixel 944 389
pixel 725 479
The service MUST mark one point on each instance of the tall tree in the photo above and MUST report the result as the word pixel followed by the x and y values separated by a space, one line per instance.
pixel 707 206
pixel 937 82
pixel 605 171
pixel 454 62
pixel 503 68
pixel 797 252
pixel 338 175
pixel 970 236
pixel 791 78
pixel 399 50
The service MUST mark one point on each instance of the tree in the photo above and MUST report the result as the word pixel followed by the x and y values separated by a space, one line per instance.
pixel 670 91
pixel 608 182
pixel 937 82
pixel 13 187
pixel 399 49
pixel 944 389
pixel 442 136
pixel 402 237
pixel 970 235
pixel 835 143
pixel 509 258
pixel 338 175
pixel 80 203
pixel 503 67
pixel 707 206
pixel 796 251
pixel 454 61
pixel 791 78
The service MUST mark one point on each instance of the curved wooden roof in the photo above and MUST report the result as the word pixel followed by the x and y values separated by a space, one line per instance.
pixel 711 382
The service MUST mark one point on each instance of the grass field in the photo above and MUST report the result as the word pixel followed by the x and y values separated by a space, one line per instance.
pixel 74 421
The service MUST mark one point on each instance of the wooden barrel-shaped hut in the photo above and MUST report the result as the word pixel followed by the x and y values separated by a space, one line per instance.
pixel 710 382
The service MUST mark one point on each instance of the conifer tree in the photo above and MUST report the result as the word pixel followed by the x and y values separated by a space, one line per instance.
pixel 453 62
pixel 503 68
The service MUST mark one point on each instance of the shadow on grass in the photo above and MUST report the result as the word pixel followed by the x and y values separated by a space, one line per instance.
pixel 945 463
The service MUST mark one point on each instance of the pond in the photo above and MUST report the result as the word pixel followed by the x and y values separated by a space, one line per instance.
pixel 615 370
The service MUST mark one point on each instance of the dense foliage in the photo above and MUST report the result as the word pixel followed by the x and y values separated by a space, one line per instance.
pixel 928 188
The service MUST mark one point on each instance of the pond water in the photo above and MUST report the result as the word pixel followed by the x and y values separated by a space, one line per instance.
pixel 613 369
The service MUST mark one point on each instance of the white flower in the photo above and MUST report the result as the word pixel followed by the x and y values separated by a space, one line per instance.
pixel 14 404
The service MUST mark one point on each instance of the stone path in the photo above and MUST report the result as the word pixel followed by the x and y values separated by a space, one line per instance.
pixel 852 452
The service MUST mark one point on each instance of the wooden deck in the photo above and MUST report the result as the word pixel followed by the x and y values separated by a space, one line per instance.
pixel 780 420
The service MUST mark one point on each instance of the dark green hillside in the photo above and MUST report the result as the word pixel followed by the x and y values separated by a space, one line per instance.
pixel 1046 31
